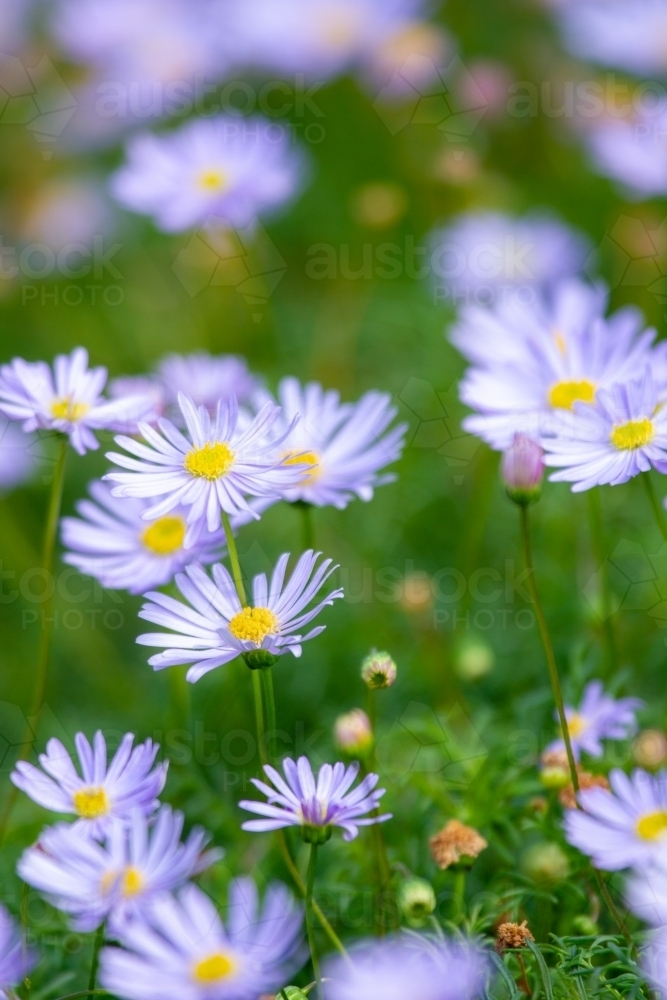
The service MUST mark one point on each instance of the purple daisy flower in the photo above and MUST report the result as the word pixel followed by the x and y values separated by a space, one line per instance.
pixel 625 827
pixel 599 717
pixel 226 168
pixel 100 793
pixel 414 967
pixel 15 960
pixel 315 806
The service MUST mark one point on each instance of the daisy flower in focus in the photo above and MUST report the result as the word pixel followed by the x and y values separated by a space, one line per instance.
pixel 101 792
pixel 16 960
pixel 68 399
pixel 599 717
pixel 409 966
pixel 213 628
pixel 180 949
pixel 346 444
pixel 228 168
pixel 112 543
pixel 315 806
pixel 205 378
pixel 115 879
pixel 212 470
pixel 623 434
pixel 544 358
pixel 486 257
pixel 624 828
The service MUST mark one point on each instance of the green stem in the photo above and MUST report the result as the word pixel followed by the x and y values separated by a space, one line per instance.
pixel 266 680
pixel 234 559
pixel 558 696
pixel 307 524
pixel 301 886
pixel 458 894
pixel 310 925
pixel 599 548
pixel 658 511
pixel 50 533
pixel 84 993
pixel 259 716
pixel 546 643
pixel 97 944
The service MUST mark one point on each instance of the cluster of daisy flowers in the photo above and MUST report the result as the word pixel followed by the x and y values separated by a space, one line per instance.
pixel 586 387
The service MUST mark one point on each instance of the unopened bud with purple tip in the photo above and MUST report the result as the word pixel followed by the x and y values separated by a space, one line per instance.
pixel 522 470
pixel 353 733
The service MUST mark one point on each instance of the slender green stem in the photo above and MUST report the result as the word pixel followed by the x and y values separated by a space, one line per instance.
pixel 97 944
pixel 458 894
pixel 546 643
pixel 259 716
pixel 84 993
pixel 50 533
pixel 266 680
pixel 307 526
pixel 599 548
pixel 558 696
pixel 301 886
pixel 658 511
pixel 310 925
pixel 371 708
pixel 234 559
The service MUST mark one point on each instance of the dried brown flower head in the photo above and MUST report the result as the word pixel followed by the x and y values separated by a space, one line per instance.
pixel 566 795
pixel 512 936
pixel 455 840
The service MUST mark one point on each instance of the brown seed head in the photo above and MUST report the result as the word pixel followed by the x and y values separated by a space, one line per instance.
pixel 512 936
pixel 456 840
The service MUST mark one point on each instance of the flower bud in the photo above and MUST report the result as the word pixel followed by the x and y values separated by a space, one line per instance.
pixel 545 862
pixel 522 469
pixel 650 748
pixel 416 901
pixel 353 733
pixel 378 670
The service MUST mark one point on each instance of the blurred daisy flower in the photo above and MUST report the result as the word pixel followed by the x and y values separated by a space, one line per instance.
pixel 632 149
pixel 213 628
pixel 116 879
pixel 68 399
pixel 221 462
pixel 646 893
pixel 347 445
pixel 228 168
pixel 544 359
pixel 16 961
pixel 624 828
pixel 624 34
pixel 622 434
pixel 111 542
pixel 181 950
pixel 101 793
pixel 205 378
pixel 315 806
pixel 409 966
pixel 487 257
pixel 19 453
pixel 599 717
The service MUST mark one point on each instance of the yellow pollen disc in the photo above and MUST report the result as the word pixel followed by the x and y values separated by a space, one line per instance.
pixel 304 458
pixel 91 803
pixel 132 881
pixel 563 394
pixel 653 826
pixel 165 535
pixel 210 462
pixel 254 624
pixel 214 968
pixel 576 725
pixel 65 409
pixel 634 434
pixel 212 181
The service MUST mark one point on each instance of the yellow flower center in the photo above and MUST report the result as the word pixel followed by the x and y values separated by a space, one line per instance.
pixel 132 881
pixel 210 462
pixel 634 434
pixel 576 724
pixel 254 624
pixel 91 803
pixel 165 535
pixel 212 181
pixel 305 458
pixel 563 394
pixel 214 968
pixel 66 409
pixel 653 826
